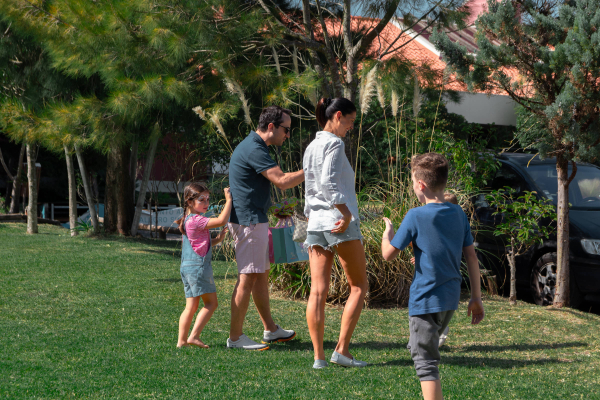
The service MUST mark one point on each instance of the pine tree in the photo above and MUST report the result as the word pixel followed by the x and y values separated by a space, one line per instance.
pixel 546 57
pixel 141 54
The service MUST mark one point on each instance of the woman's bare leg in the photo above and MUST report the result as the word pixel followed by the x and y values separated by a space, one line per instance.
pixel 320 272
pixel 191 305
pixel 210 305
pixel 352 258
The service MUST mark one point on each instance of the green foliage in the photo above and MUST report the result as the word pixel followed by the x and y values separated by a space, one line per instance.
pixel 555 50
pixel 524 218
pixel 3 207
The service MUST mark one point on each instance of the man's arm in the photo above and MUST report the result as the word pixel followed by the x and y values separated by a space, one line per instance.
pixel 475 304
pixel 284 181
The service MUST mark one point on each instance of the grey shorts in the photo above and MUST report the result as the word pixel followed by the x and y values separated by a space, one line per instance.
pixel 327 240
pixel 424 339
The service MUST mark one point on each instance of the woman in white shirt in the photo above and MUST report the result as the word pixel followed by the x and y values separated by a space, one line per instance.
pixel 333 224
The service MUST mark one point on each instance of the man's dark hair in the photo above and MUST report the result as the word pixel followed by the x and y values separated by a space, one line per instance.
pixel 431 168
pixel 272 114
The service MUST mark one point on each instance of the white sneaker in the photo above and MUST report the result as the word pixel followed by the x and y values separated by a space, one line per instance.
pixel 443 337
pixel 344 361
pixel 280 335
pixel 244 342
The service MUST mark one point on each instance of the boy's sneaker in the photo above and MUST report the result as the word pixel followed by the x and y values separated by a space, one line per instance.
pixel 244 342
pixel 443 337
pixel 280 335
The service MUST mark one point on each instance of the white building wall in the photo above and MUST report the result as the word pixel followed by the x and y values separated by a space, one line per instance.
pixel 483 109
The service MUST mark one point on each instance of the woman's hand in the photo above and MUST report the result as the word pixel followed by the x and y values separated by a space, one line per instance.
pixel 342 224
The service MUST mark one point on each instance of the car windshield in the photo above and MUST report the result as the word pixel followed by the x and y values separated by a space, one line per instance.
pixel 584 190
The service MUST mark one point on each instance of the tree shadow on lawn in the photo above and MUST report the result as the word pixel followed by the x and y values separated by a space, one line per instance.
pixel 330 344
pixel 488 362
pixel 519 347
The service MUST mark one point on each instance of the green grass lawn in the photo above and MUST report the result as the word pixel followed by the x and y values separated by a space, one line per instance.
pixel 97 318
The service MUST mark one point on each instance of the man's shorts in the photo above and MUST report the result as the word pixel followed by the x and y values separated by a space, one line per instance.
pixel 251 247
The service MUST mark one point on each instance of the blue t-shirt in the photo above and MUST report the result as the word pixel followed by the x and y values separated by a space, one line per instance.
pixel 438 232
pixel 250 190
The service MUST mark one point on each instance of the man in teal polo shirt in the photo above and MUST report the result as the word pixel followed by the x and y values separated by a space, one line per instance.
pixel 251 172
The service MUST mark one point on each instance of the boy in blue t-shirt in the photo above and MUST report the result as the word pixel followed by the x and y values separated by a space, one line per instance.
pixel 440 233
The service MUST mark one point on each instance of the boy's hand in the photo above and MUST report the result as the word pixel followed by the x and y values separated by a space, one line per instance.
pixel 389 229
pixel 476 310
pixel 227 194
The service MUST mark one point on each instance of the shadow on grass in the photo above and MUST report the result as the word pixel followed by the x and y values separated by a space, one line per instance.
pixel 520 347
pixel 486 362
pixel 330 345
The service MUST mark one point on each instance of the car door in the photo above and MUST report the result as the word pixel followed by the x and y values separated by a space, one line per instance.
pixel 491 248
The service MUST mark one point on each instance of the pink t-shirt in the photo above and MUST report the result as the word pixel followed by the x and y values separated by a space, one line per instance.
pixel 197 234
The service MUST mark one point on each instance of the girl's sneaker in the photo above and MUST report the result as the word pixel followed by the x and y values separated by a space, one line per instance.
pixel 244 342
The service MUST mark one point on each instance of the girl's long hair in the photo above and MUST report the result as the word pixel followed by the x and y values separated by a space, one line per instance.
pixel 191 192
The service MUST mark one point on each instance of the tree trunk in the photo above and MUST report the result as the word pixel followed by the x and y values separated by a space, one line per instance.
pixel 89 196
pixel 16 189
pixel 110 199
pixel 72 192
pixel 32 212
pixel 124 193
pixel 133 163
pixel 142 196
pixel 512 298
pixel 561 296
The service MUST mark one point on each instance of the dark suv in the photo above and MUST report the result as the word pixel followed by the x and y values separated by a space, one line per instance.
pixel 536 269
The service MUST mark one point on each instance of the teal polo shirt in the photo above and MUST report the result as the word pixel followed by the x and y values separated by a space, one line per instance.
pixel 250 190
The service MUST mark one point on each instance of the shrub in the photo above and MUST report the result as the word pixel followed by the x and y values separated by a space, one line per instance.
pixel 3 208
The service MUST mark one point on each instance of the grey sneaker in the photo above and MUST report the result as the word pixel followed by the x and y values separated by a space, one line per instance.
pixel 244 342
pixel 280 335
pixel 443 337
pixel 344 361
pixel 320 364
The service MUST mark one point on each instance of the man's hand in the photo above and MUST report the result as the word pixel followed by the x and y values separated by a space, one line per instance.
pixel 475 310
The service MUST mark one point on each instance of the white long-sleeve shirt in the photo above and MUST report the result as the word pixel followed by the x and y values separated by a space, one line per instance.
pixel 329 180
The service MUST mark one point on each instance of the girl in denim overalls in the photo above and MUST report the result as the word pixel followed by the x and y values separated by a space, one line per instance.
pixel 196 270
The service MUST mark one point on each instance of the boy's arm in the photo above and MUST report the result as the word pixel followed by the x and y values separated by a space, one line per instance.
pixel 475 304
pixel 388 251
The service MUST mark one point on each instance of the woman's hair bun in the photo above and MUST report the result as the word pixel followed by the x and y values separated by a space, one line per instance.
pixel 327 101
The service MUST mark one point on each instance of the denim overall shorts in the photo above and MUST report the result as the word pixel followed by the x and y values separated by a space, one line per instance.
pixel 196 271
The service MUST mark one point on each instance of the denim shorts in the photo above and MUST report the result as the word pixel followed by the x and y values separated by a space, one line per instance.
pixel 197 278
pixel 327 240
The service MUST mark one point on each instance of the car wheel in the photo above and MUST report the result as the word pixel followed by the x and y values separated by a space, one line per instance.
pixel 543 282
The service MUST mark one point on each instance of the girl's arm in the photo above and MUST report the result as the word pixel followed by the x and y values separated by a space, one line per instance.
pixel 222 219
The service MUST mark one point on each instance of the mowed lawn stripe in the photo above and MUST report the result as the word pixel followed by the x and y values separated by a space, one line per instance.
pixel 97 318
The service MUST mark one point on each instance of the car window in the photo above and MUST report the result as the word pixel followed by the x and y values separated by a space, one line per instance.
pixel 584 190
pixel 505 176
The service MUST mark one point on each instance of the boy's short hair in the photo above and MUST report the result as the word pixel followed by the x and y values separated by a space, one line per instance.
pixel 450 198
pixel 431 168
pixel 272 114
